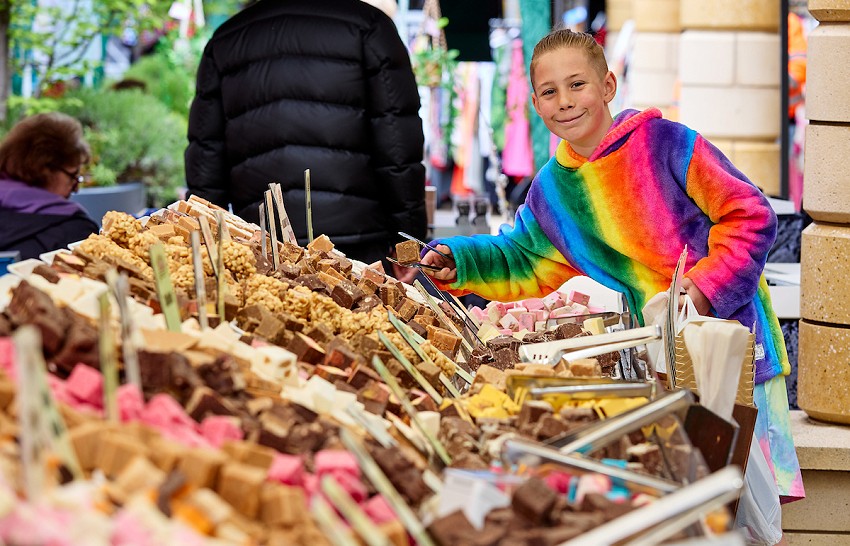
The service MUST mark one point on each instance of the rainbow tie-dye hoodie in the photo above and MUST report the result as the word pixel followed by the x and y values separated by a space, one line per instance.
pixel 622 217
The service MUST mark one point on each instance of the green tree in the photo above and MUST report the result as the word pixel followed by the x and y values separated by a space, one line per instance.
pixel 53 40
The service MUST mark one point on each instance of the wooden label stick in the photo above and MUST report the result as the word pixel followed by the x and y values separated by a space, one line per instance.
pixel 309 202
pixel 406 404
pixel 288 234
pixel 129 334
pixel 200 282
pixel 164 288
pixel 272 228
pixel 108 359
pixel 209 242
pixel 221 291
pixel 41 424
pixel 263 231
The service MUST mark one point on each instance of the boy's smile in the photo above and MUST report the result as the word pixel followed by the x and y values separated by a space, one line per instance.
pixel 572 98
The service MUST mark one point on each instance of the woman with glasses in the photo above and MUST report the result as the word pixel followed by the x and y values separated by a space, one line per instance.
pixel 40 164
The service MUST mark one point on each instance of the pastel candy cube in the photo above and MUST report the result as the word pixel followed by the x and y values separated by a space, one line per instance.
pixel 379 510
pixel 287 469
pixel 534 304
pixel 526 321
pixel 352 485
pixel 219 428
pixel 86 385
pixel 336 461
pixel 553 300
pixel 131 402
pixel 579 297
pixel 509 322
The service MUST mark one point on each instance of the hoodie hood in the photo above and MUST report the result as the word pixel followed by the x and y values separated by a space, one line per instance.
pixel 624 124
pixel 19 197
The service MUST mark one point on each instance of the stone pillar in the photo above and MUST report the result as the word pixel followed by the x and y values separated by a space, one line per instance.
pixel 654 69
pixel 730 82
pixel 823 384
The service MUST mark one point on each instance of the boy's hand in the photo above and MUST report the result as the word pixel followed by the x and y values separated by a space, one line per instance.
pixel 700 301
pixel 448 273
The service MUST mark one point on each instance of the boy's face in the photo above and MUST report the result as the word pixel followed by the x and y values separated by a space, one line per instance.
pixel 572 98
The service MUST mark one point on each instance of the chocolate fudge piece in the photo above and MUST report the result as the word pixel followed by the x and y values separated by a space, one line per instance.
pixel 306 349
pixel 452 529
pixel 291 252
pixel 367 303
pixel 585 367
pixel 390 294
pixel 430 372
pixel 288 271
pixel 346 294
pixel 205 402
pixel 648 455
pixel 367 285
pixel 418 328
pixel 406 309
pixel 222 375
pixel 481 355
pixel 407 252
pixel 444 341
pixel 32 306
pixel 504 342
pixel 271 329
pixel 505 359
pixel 402 473
pixel 569 330
pixel 469 461
pixel 374 398
pixel 313 282
pixel 597 503
pixel 47 272
pixel 319 332
pixel 534 500
pixel 81 344
pixel 361 375
pixel 531 412
pixel 550 426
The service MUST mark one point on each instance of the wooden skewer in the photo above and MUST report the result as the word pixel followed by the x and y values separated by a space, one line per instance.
pixel 309 202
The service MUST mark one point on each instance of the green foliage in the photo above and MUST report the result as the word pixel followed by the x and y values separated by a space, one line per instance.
pixel 134 137
pixel 169 73
pixel 55 39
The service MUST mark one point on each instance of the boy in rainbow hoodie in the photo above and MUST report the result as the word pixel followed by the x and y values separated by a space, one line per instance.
pixel 618 203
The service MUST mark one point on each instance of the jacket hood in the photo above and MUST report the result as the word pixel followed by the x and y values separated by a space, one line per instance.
pixel 624 124
pixel 19 197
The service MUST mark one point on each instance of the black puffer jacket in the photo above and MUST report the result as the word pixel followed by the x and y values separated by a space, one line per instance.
pixel 289 85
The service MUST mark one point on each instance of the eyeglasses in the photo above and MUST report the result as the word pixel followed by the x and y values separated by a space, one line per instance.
pixel 76 176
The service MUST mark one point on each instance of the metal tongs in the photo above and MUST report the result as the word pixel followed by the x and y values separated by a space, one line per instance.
pixel 668 515
pixel 418 265
pixel 549 352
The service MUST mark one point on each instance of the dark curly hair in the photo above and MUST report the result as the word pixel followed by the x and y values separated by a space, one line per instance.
pixel 40 144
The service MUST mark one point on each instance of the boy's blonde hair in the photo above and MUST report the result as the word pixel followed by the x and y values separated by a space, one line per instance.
pixel 561 38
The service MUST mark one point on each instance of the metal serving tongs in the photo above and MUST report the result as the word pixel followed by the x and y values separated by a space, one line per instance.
pixel 514 450
pixel 549 352
pixel 601 433
pixel 668 515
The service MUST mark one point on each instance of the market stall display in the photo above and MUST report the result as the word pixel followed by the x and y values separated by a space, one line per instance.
pixel 324 401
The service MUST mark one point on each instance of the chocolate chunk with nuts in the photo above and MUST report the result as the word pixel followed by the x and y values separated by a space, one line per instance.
pixel 534 500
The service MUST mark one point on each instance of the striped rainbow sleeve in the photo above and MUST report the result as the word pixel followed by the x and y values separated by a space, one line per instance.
pixel 520 262
pixel 744 229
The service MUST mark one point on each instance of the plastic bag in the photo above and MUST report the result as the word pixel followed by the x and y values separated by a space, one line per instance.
pixel 759 512
pixel 655 313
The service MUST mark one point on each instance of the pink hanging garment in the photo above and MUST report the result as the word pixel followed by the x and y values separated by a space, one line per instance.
pixel 517 158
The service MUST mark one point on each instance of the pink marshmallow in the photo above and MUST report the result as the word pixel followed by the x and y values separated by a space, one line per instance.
pixel 86 385
pixel 578 297
pixel 165 412
pixel 553 300
pixel 592 483
pixel 7 357
pixel 592 309
pixel 378 509
pixel 534 304
pixel 509 322
pixel 219 428
pixel 517 311
pixel 336 460
pixel 506 331
pixel 352 485
pixel 541 314
pixel 494 314
pixel 131 402
pixel 509 305
pixel 287 469
pixel 60 392
pixel 526 320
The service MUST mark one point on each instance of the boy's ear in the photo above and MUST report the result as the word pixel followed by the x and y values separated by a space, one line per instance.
pixel 534 102
pixel 609 84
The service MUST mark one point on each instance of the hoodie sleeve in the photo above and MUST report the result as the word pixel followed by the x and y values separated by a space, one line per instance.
pixel 743 232
pixel 520 262
pixel 206 156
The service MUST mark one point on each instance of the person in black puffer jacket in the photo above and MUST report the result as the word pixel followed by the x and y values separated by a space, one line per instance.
pixel 289 85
